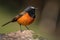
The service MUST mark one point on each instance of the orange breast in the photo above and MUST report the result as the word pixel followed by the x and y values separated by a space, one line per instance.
pixel 25 19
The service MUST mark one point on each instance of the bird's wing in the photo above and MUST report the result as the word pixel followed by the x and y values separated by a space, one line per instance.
pixel 18 16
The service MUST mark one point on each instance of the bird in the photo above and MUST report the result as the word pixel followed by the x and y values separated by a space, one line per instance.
pixel 25 18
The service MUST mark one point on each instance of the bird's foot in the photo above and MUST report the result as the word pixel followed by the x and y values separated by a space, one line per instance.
pixel 21 30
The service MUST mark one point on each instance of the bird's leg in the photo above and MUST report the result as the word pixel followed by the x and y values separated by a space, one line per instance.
pixel 27 27
pixel 20 28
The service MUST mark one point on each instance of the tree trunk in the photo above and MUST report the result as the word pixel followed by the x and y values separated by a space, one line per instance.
pixel 49 17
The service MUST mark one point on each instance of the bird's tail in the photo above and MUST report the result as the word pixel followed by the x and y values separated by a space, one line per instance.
pixel 13 20
pixel 6 23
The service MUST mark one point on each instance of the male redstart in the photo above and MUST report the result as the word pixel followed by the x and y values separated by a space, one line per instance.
pixel 25 18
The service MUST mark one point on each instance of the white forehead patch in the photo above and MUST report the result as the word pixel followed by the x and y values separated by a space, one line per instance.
pixel 32 7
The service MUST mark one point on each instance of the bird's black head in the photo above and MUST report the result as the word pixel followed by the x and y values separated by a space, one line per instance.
pixel 31 11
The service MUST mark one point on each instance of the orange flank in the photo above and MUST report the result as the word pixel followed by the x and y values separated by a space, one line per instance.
pixel 26 19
